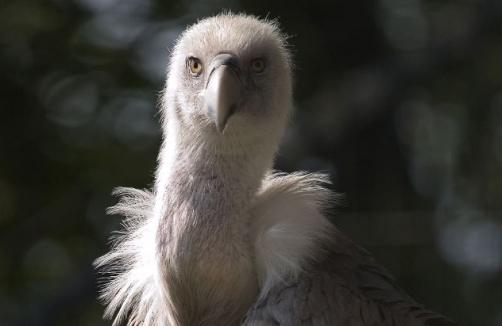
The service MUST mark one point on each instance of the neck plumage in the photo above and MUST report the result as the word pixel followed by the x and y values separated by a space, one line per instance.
pixel 205 186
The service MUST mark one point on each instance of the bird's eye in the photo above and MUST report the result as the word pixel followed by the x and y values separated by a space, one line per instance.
pixel 195 66
pixel 258 65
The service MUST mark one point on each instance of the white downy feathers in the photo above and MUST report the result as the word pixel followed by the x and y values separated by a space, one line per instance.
pixel 287 224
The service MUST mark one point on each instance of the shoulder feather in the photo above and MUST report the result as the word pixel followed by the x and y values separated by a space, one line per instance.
pixel 329 279
pixel 287 224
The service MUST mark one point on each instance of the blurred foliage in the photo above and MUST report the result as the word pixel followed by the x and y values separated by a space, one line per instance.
pixel 400 100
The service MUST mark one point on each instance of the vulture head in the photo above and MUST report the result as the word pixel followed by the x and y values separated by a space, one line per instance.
pixel 230 76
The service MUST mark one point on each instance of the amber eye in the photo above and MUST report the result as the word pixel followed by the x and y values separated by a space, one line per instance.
pixel 258 65
pixel 195 66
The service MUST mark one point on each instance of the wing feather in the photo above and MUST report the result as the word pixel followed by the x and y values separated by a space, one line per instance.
pixel 332 281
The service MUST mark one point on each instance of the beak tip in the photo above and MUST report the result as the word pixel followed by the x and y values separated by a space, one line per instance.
pixel 220 128
pixel 221 125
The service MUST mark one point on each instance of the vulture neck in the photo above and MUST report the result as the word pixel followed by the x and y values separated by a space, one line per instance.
pixel 205 186
pixel 209 184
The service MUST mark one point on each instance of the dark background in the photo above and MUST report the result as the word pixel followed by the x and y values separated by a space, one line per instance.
pixel 400 100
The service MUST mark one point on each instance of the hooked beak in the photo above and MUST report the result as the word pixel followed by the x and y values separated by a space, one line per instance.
pixel 223 89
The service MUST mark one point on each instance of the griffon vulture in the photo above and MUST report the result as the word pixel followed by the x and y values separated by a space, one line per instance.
pixel 222 239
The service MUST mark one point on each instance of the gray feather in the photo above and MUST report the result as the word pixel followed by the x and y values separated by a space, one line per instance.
pixel 342 288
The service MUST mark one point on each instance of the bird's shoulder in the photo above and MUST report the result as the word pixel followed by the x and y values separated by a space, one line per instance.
pixel 310 273
pixel 344 287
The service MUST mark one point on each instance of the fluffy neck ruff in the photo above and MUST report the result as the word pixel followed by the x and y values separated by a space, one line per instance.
pixel 179 262
pixel 205 185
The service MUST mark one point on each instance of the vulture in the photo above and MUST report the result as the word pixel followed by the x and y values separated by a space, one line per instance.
pixel 222 239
